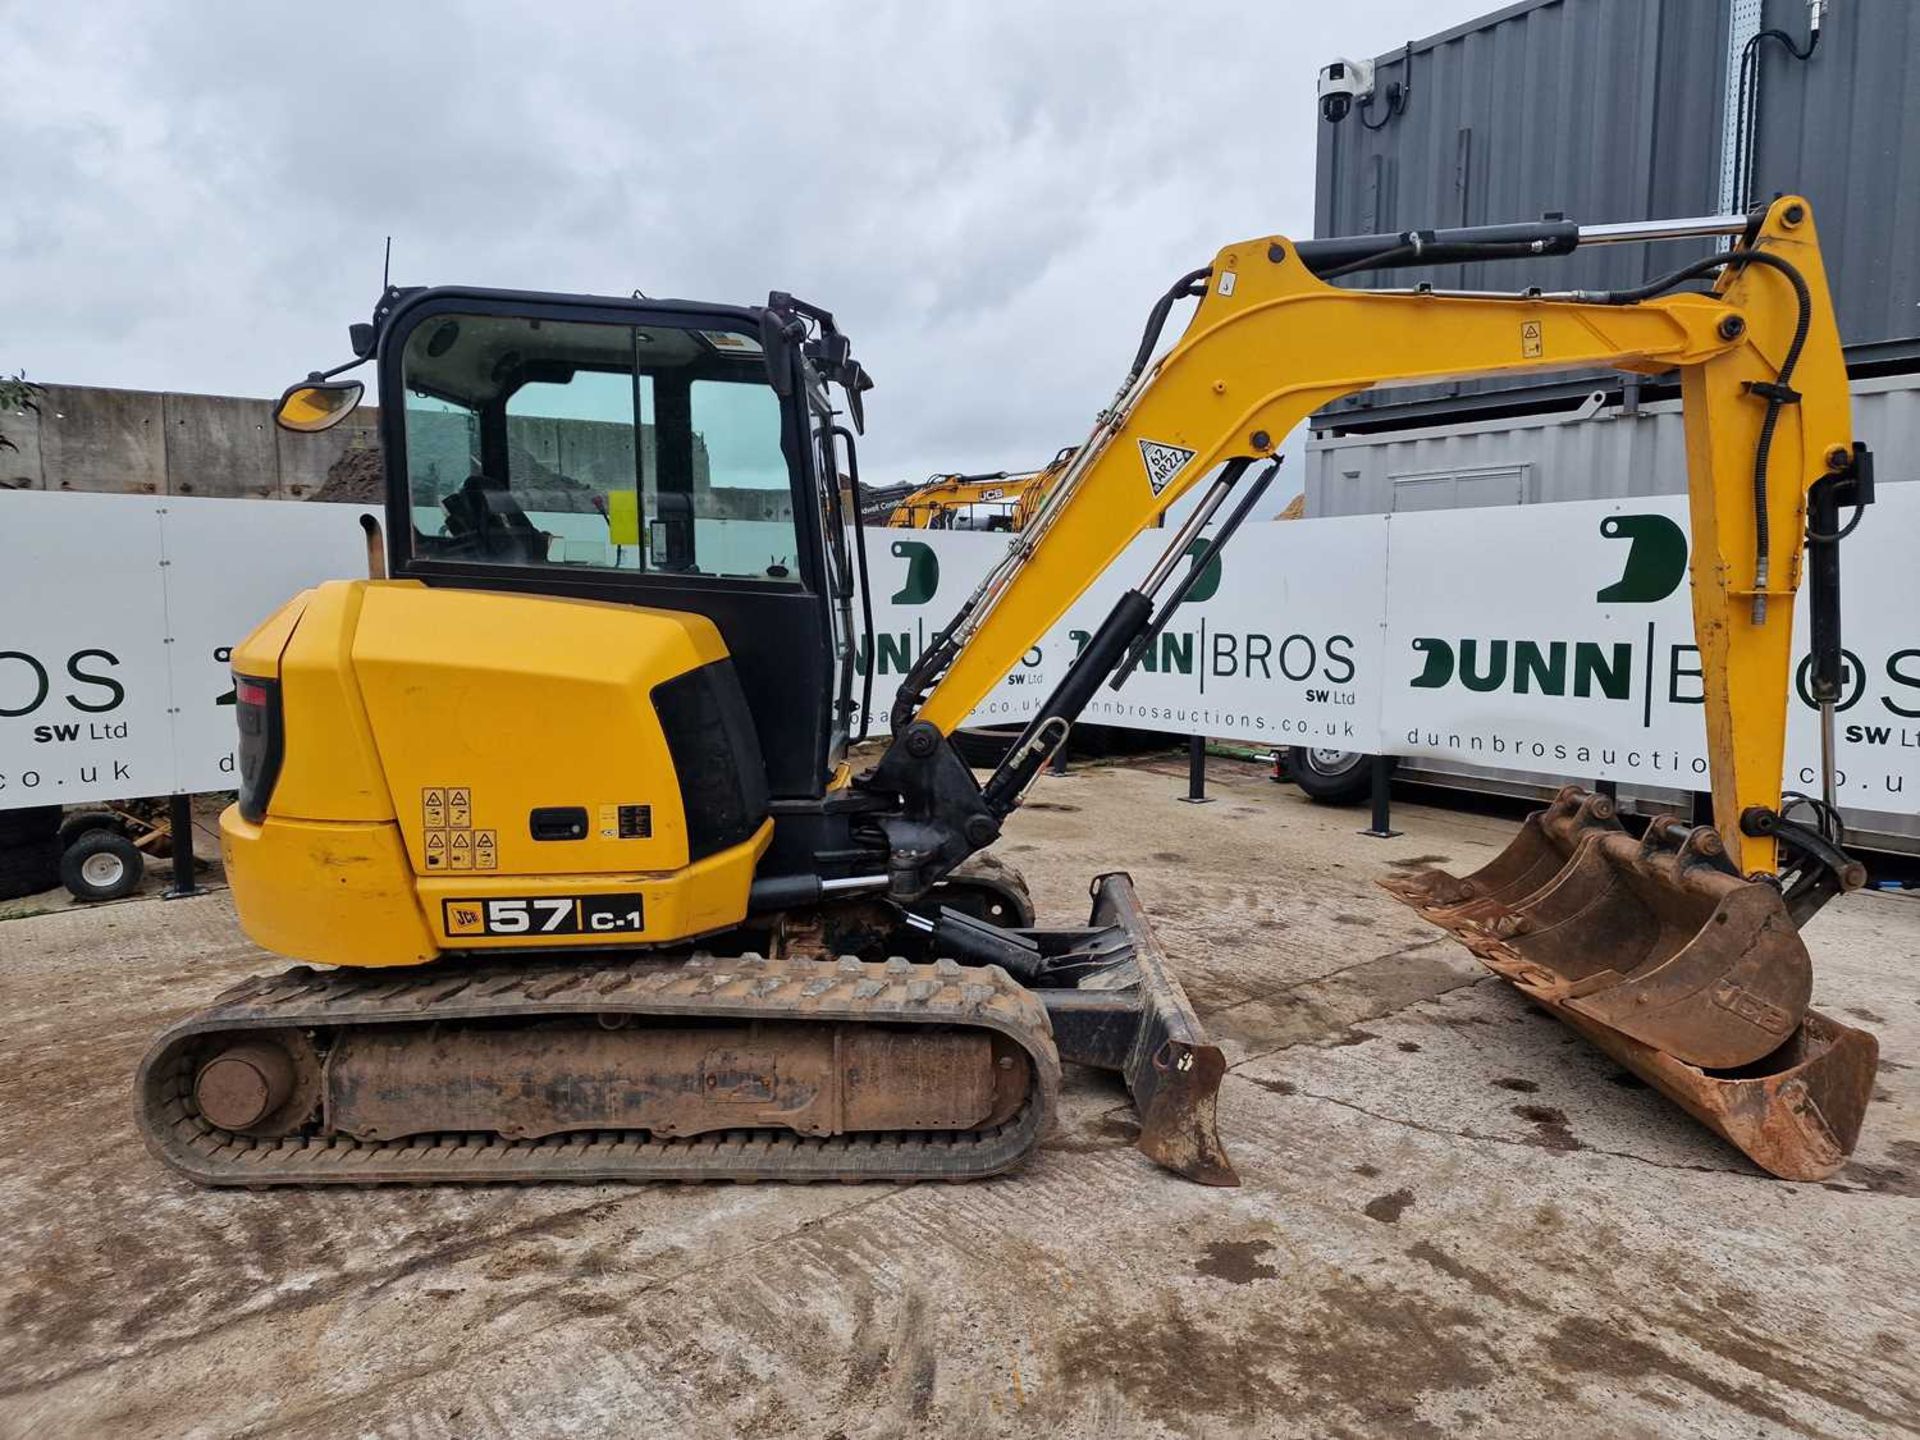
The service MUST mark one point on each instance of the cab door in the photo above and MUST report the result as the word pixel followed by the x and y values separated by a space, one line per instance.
pixel 844 572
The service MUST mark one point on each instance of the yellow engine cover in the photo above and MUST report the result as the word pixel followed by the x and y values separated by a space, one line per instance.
pixel 429 734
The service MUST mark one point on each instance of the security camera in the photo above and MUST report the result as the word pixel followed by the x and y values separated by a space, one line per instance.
pixel 1341 84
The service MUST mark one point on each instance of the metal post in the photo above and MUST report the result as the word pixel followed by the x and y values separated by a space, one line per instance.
pixel 1703 807
pixel 1608 788
pixel 1058 765
pixel 1382 826
pixel 180 835
pixel 1196 771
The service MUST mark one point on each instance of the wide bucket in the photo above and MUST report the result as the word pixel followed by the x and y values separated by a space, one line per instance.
pixel 1795 1113
pixel 1659 951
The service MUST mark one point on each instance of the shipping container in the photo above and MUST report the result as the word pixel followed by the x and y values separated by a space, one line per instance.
pixel 1604 450
pixel 1619 110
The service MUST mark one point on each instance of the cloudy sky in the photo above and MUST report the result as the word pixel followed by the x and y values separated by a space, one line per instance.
pixel 194 196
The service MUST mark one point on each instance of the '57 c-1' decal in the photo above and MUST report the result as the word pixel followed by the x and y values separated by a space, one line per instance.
pixel 539 915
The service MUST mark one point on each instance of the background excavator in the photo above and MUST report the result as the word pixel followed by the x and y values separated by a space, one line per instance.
pixel 566 800
pixel 1000 500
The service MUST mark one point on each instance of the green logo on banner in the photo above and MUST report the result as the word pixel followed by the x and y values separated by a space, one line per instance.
pixel 923 572
pixel 1656 561
pixel 1208 585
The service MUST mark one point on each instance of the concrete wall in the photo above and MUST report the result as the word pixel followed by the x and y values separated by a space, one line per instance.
pixel 144 442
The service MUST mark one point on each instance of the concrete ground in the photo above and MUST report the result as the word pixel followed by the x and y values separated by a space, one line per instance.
pixel 1456 1219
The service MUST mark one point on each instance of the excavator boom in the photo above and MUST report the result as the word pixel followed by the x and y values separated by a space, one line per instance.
pixel 1686 945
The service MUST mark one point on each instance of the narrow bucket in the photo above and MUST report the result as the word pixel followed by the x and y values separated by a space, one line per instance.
pixel 1661 953
pixel 1658 938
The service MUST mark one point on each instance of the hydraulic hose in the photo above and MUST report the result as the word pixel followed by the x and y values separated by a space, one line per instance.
pixel 1777 393
pixel 1745 137
pixel 1192 284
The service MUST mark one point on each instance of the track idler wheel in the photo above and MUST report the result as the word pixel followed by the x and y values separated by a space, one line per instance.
pixel 264 1084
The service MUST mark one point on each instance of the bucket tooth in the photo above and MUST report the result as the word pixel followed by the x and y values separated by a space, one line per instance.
pixel 1528 863
pixel 1664 956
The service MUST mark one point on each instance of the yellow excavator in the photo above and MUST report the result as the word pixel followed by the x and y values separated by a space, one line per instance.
pixel 998 500
pixel 560 798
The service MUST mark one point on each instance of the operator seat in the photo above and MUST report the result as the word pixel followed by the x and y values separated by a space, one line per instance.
pixel 487 514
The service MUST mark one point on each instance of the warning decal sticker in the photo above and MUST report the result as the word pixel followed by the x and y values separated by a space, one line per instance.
pixel 1163 462
pixel 452 842
pixel 1530 340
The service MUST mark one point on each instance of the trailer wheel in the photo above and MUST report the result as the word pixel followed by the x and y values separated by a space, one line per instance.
pixel 102 865
pixel 984 747
pixel 1332 777
pixel 82 822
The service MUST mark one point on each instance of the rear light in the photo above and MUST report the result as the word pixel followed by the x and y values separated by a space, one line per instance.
pixel 262 743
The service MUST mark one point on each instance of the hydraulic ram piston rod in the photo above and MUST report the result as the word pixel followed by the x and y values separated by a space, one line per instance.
pixel 1343 253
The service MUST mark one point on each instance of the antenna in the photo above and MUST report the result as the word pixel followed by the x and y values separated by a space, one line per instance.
pixel 386 267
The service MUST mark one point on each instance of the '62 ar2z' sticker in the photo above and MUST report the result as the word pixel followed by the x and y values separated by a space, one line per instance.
pixel 546 915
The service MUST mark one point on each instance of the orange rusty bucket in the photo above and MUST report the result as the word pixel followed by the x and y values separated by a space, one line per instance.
pixel 1661 953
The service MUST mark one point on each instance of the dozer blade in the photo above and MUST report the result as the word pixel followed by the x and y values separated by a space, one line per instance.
pixel 1137 1020
pixel 1659 952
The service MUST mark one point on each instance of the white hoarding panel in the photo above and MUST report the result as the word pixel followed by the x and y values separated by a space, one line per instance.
pixel 118 614
pixel 1559 639
pixel 1544 637
pixel 85 707
pixel 231 564
pixel 1538 638
pixel 1278 642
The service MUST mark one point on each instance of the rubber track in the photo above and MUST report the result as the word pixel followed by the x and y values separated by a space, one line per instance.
pixel 739 989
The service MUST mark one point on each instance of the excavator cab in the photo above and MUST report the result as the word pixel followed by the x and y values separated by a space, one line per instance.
pixel 638 453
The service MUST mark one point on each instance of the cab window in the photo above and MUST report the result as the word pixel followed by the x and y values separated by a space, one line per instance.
pixel 607 447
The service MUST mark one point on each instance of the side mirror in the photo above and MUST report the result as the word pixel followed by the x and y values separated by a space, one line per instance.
pixel 317 405
pixel 855 380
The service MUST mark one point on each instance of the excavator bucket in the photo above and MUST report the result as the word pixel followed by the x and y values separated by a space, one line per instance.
pixel 1660 953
